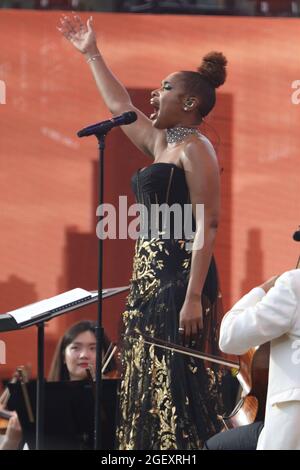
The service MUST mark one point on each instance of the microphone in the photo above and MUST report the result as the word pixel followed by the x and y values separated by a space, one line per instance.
pixel 296 235
pixel 103 127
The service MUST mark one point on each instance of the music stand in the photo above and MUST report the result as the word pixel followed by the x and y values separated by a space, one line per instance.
pixel 37 314
pixel 69 413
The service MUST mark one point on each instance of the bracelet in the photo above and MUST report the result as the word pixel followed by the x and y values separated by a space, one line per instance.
pixel 91 59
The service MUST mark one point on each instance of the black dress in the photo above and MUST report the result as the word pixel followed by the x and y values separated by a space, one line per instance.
pixel 167 400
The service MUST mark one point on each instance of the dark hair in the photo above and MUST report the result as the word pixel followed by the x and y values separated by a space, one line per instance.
pixel 210 75
pixel 58 369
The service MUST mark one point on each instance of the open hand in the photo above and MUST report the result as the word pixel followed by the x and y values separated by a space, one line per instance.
pixel 82 36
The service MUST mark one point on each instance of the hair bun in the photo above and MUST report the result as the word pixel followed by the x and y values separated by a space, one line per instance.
pixel 213 68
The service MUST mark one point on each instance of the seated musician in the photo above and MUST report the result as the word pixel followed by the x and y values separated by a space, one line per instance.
pixel 74 354
pixel 76 351
pixel 75 359
pixel 270 312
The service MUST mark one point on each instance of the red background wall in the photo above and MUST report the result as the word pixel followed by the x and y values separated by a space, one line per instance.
pixel 48 191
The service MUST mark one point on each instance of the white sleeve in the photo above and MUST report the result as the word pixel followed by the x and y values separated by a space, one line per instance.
pixel 258 317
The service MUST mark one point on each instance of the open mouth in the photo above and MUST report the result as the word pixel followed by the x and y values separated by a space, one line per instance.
pixel 155 114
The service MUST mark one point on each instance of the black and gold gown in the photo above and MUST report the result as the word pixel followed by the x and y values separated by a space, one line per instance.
pixel 167 400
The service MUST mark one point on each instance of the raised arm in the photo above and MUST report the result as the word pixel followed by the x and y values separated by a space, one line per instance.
pixel 114 94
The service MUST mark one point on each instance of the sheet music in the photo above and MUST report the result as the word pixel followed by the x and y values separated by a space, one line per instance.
pixel 52 305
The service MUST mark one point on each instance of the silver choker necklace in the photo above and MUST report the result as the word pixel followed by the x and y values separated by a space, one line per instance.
pixel 178 134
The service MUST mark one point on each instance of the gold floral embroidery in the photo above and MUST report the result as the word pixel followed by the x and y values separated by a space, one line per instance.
pixel 162 404
pixel 151 415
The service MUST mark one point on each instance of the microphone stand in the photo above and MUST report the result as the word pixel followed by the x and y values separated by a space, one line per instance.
pixel 100 134
pixel 100 130
pixel 99 327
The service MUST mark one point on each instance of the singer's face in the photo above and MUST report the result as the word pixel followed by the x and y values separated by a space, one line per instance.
pixel 80 354
pixel 168 102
